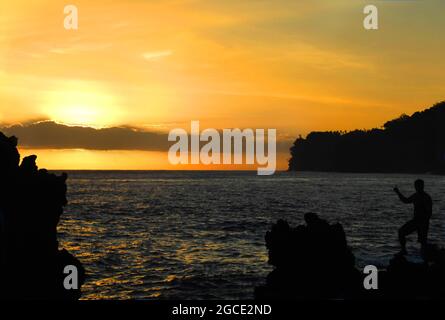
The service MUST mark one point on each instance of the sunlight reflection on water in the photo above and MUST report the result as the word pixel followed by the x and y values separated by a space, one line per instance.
pixel 200 235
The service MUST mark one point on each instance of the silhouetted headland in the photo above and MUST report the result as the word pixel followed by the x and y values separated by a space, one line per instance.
pixel 314 261
pixel 409 144
pixel 31 203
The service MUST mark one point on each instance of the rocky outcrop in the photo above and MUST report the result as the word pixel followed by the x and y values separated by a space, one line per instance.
pixel 404 279
pixel 311 260
pixel 31 203
pixel 314 261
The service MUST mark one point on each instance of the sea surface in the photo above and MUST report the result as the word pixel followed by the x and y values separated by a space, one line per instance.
pixel 200 235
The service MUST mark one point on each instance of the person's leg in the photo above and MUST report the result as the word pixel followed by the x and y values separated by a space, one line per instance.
pixel 405 230
pixel 422 232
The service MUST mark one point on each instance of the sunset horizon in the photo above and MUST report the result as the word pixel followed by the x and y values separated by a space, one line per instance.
pixel 155 67
pixel 295 67
pixel 213 158
pixel 140 160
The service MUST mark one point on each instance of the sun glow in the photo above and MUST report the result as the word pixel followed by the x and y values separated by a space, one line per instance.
pixel 81 105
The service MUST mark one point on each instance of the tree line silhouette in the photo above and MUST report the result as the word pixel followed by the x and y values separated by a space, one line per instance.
pixel 408 144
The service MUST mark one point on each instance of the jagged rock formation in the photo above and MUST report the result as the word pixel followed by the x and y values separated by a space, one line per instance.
pixel 314 261
pixel 403 279
pixel 311 260
pixel 31 203
pixel 411 144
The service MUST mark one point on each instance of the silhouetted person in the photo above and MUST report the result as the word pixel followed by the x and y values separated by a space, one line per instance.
pixel 423 206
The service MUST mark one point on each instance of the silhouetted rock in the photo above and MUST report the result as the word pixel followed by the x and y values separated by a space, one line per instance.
pixel 405 279
pixel 314 261
pixel 311 260
pixel 31 203
pixel 414 144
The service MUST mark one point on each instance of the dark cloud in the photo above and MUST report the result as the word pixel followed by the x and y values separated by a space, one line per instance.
pixel 51 135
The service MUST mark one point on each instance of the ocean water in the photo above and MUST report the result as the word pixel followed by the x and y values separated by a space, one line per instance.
pixel 200 235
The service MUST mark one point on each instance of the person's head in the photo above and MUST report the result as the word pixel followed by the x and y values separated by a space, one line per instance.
pixel 419 184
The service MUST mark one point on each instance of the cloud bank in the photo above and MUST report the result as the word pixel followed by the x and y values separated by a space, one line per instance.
pixel 52 135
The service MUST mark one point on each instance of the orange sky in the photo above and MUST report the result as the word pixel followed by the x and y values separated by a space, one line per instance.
pixel 296 66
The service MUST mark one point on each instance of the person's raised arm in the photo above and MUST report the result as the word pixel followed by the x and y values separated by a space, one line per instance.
pixel 401 196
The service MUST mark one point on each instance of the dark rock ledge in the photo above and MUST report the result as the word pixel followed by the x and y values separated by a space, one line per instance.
pixel 313 261
pixel 31 203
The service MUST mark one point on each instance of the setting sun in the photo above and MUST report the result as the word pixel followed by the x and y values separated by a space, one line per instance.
pixel 293 66
pixel 81 104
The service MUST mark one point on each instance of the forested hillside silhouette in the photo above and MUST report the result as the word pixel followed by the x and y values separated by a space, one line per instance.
pixel 408 144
